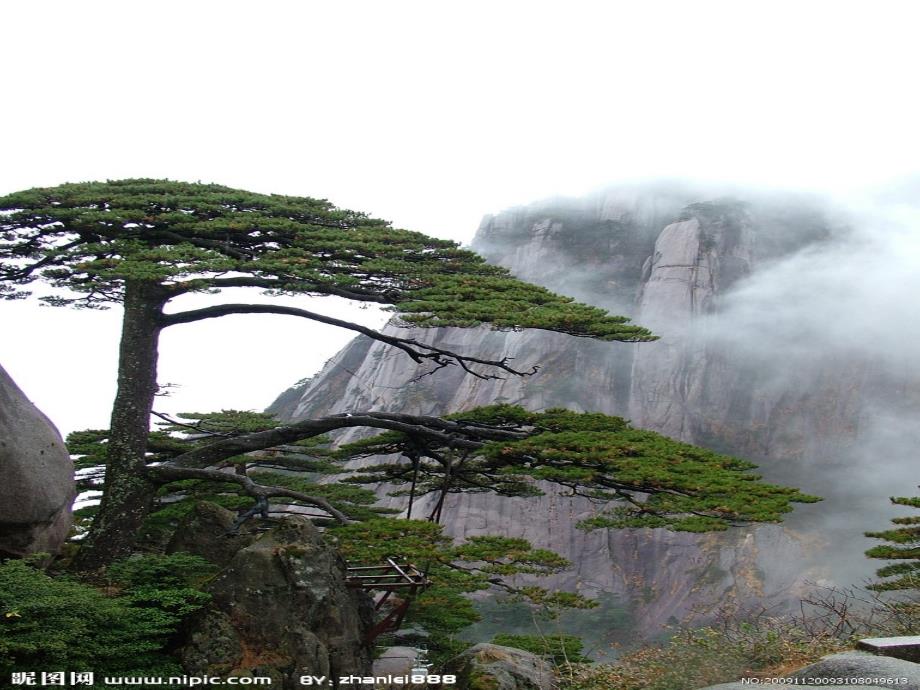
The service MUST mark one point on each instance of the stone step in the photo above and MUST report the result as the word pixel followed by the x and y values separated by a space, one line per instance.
pixel 906 647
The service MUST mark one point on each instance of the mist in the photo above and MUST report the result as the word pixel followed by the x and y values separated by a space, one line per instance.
pixel 848 296
pixel 834 326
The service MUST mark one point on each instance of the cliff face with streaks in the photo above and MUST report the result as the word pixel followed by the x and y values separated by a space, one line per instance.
pixel 670 258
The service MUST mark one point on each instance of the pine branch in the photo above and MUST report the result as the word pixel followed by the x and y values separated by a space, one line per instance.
pixel 431 428
pixel 277 284
pixel 419 352
pixel 260 492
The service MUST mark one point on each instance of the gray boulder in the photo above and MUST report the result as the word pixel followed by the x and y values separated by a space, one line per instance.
pixel 493 667
pixel 38 488
pixel 280 606
pixel 865 666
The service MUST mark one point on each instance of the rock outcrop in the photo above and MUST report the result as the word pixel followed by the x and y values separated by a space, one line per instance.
pixel 280 606
pixel 38 489
pixel 670 260
pixel 493 667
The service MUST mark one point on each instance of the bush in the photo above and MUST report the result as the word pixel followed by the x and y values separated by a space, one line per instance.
pixel 176 570
pixel 54 623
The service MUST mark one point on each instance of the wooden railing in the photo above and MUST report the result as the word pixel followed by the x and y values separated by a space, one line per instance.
pixel 385 580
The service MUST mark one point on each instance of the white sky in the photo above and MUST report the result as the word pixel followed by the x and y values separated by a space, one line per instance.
pixel 426 113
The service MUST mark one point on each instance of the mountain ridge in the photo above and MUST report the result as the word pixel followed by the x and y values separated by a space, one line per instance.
pixel 671 261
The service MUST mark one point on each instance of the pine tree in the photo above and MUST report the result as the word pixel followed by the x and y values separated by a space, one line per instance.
pixel 142 243
pixel 903 546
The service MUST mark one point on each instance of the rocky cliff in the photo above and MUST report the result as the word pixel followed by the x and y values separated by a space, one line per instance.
pixel 674 259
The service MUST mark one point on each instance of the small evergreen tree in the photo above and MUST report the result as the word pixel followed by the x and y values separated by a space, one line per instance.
pixel 476 564
pixel 903 546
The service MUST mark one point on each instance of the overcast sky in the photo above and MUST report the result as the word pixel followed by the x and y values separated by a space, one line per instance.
pixel 429 114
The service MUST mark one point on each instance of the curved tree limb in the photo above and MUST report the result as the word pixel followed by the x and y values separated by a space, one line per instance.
pixel 450 433
pixel 27 273
pixel 419 352
pixel 257 491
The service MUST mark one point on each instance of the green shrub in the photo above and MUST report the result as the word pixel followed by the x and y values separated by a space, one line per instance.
pixel 54 623
pixel 175 570
pixel 168 583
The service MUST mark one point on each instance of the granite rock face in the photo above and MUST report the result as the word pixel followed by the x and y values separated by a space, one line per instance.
pixel 668 258
pixel 280 606
pixel 38 489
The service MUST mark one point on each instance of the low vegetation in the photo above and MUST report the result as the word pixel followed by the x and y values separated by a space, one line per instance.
pixel 123 625
pixel 753 646
pixel 695 658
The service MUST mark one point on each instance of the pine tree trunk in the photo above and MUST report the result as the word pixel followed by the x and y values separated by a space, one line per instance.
pixel 128 494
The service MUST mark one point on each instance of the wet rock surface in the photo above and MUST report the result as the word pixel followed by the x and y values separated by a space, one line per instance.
pixel 207 531
pixel 904 647
pixel 396 663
